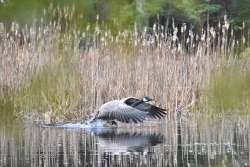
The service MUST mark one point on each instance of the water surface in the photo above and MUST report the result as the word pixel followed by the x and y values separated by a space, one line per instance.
pixel 218 142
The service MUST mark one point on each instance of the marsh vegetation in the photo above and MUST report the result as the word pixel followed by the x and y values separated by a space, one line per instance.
pixel 52 70
pixel 66 75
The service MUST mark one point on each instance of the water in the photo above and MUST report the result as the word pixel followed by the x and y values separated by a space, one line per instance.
pixel 194 142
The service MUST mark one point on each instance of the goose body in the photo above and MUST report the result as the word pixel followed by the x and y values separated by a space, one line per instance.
pixel 128 110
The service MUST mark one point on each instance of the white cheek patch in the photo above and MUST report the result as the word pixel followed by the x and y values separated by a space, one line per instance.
pixel 146 99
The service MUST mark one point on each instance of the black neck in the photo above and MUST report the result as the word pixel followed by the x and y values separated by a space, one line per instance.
pixel 136 103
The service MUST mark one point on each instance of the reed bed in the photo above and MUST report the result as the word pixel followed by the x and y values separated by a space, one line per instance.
pixel 53 74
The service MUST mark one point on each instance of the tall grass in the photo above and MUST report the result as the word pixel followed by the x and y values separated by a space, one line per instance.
pixel 47 75
pixel 229 89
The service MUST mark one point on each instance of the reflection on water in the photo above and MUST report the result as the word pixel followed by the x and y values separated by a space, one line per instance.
pixel 221 142
pixel 116 143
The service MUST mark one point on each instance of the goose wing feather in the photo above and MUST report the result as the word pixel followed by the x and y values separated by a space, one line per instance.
pixel 151 110
pixel 120 111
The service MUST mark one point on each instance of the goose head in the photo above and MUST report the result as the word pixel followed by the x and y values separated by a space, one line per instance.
pixel 146 99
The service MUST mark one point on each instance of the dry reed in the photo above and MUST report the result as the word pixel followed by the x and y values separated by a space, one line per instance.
pixel 69 74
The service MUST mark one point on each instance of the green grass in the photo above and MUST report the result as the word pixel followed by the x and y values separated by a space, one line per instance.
pixel 230 88
pixel 54 88
pixel 6 112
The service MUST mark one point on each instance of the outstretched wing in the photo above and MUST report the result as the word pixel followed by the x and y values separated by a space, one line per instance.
pixel 151 110
pixel 120 111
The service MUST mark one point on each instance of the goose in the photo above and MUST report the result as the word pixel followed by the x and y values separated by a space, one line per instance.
pixel 128 110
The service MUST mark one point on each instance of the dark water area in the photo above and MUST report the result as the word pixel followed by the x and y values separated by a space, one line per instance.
pixel 194 142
